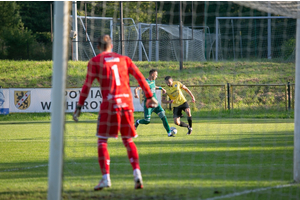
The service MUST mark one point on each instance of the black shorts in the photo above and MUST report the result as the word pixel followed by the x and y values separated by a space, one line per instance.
pixel 177 111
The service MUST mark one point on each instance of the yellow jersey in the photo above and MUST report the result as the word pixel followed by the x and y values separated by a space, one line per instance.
pixel 174 92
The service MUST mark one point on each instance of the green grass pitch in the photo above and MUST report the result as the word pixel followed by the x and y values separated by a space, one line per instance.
pixel 222 159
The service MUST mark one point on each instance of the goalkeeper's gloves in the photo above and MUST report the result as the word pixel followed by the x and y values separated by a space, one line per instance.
pixel 151 102
pixel 77 113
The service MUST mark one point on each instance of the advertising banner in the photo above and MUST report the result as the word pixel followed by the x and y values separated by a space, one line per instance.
pixel 32 100
pixel 4 101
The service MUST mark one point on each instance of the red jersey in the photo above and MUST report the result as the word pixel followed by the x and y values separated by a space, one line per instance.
pixel 112 72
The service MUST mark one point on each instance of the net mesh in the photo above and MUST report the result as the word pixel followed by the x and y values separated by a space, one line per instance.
pixel 241 146
pixel 256 38
pixel 164 47
pixel 91 28
pixel 167 43
pixel 284 8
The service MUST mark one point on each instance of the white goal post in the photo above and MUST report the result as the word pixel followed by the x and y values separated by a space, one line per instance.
pixel 297 108
pixel 60 63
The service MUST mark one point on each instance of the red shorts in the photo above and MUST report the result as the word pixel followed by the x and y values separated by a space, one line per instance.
pixel 110 123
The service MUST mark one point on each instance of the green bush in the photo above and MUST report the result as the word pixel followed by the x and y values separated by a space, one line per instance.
pixel 18 44
pixel 43 37
pixel 40 51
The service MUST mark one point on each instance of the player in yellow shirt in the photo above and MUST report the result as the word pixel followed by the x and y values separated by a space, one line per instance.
pixel 179 102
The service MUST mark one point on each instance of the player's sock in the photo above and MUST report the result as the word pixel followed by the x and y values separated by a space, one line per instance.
pixel 106 176
pixel 166 124
pixel 144 121
pixel 182 124
pixel 136 124
pixel 132 153
pixel 190 121
pixel 137 172
pixel 103 156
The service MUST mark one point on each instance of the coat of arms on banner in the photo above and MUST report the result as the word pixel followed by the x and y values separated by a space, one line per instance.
pixel 2 99
pixel 141 97
pixel 22 99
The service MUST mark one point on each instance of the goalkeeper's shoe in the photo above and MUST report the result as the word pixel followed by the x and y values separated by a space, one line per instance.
pixel 138 181
pixel 102 184
pixel 190 129
pixel 136 124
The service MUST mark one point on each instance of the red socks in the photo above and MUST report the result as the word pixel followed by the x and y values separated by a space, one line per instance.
pixel 104 159
pixel 103 156
pixel 132 153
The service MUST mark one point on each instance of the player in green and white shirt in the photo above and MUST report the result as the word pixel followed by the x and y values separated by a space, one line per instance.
pixel 148 111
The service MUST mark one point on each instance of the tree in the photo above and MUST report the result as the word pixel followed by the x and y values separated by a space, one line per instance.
pixel 9 16
pixel 17 42
pixel 36 15
pixel 140 11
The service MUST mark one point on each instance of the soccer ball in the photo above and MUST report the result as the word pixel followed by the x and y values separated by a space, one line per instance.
pixel 173 130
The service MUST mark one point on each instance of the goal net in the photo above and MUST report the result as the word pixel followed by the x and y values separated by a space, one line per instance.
pixel 140 40
pixel 163 44
pixel 91 28
pixel 259 37
pixel 239 61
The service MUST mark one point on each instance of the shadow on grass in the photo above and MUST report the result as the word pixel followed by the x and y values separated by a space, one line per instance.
pixel 190 167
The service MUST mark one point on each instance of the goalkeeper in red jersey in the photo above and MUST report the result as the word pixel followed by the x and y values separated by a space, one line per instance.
pixel 116 111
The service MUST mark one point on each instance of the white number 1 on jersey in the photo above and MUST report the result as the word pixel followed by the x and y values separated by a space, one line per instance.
pixel 116 73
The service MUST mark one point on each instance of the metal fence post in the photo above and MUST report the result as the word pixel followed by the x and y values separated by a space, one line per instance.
pixel 286 102
pixel 231 88
pixel 228 95
pixel 293 97
pixel 225 95
pixel 289 95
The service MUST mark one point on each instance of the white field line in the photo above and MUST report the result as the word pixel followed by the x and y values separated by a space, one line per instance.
pixel 23 168
pixel 153 164
pixel 248 191
pixel 203 164
pixel 214 198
